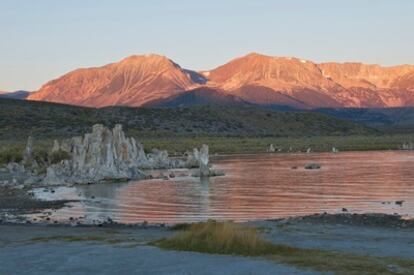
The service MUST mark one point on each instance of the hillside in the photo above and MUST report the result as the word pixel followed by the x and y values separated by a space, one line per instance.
pixel 18 119
pixel 133 81
pixel 15 95
pixel 142 80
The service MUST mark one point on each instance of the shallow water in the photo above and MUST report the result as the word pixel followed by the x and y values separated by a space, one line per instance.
pixel 255 187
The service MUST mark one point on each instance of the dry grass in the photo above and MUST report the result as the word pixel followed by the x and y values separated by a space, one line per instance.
pixel 217 237
pixel 234 239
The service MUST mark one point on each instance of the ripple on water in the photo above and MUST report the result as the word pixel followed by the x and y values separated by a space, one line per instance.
pixel 255 187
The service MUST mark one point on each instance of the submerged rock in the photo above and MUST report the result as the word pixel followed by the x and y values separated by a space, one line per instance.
pixel 312 166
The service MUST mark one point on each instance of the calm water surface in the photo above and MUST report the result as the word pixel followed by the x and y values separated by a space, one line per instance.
pixel 255 187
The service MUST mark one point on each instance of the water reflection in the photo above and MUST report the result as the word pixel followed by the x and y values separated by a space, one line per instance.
pixel 257 187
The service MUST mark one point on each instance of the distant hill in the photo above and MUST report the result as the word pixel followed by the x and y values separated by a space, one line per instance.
pixel 15 95
pixel 254 78
pixel 18 119
pixel 199 97
pixel 389 119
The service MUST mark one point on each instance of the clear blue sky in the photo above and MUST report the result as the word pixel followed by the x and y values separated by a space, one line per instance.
pixel 43 39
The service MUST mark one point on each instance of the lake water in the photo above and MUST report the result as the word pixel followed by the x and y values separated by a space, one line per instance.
pixel 260 186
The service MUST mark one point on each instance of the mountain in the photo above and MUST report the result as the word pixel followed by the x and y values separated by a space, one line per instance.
pixel 198 97
pixel 15 95
pixel 132 82
pixel 316 85
pixel 153 80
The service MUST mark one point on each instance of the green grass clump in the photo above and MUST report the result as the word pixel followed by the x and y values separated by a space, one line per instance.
pixel 216 237
pixel 11 154
pixel 234 239
pixel 58 156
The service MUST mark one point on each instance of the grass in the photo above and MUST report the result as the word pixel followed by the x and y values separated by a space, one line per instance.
pixel 234 239
pixel 12 149
pixel 234 145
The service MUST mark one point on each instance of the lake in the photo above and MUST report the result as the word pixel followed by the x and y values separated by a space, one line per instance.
pixel 261 186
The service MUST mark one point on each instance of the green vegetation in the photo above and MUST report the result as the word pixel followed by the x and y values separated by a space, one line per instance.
pixel 58 156
pixel 11 154
pixel 227 130
pixel 236 145
pixel 43 120
pixel 11 150
pixel 234 239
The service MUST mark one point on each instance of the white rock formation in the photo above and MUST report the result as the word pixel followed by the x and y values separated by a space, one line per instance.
pixel 203 159
pixel 100 155
pixel 271 149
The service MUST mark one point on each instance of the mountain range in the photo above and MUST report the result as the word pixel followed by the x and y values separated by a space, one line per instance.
pixel 155 80
pixel 15 95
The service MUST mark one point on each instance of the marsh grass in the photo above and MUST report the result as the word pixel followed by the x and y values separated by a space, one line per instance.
pixel 234 239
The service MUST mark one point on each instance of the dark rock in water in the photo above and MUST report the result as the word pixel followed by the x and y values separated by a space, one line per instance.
pixel 294 167
pixel 344 210
pixel 211 173
pixel 311 166
pixel 399 202
pixel 172 175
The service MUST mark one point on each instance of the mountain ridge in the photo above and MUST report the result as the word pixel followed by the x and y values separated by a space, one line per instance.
pixel 259 79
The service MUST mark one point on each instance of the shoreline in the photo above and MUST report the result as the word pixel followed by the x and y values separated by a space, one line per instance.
pixel 373 220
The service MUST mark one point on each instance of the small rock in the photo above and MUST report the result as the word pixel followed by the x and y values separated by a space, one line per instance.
pixel 311 166
pixel 399 202
pixel 344 210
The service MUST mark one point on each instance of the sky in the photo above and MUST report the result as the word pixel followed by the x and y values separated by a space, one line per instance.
pixel 43 39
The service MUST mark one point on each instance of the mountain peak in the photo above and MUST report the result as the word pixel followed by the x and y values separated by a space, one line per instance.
pixel 258 78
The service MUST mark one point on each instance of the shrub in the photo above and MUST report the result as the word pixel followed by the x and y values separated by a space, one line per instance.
pixel 58 156
pixel 218 237
pixel 41 157
pixel 13 154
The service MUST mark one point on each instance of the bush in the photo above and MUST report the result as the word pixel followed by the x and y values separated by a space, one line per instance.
pixel 58 156
pixel 13 154
pixel 218 237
